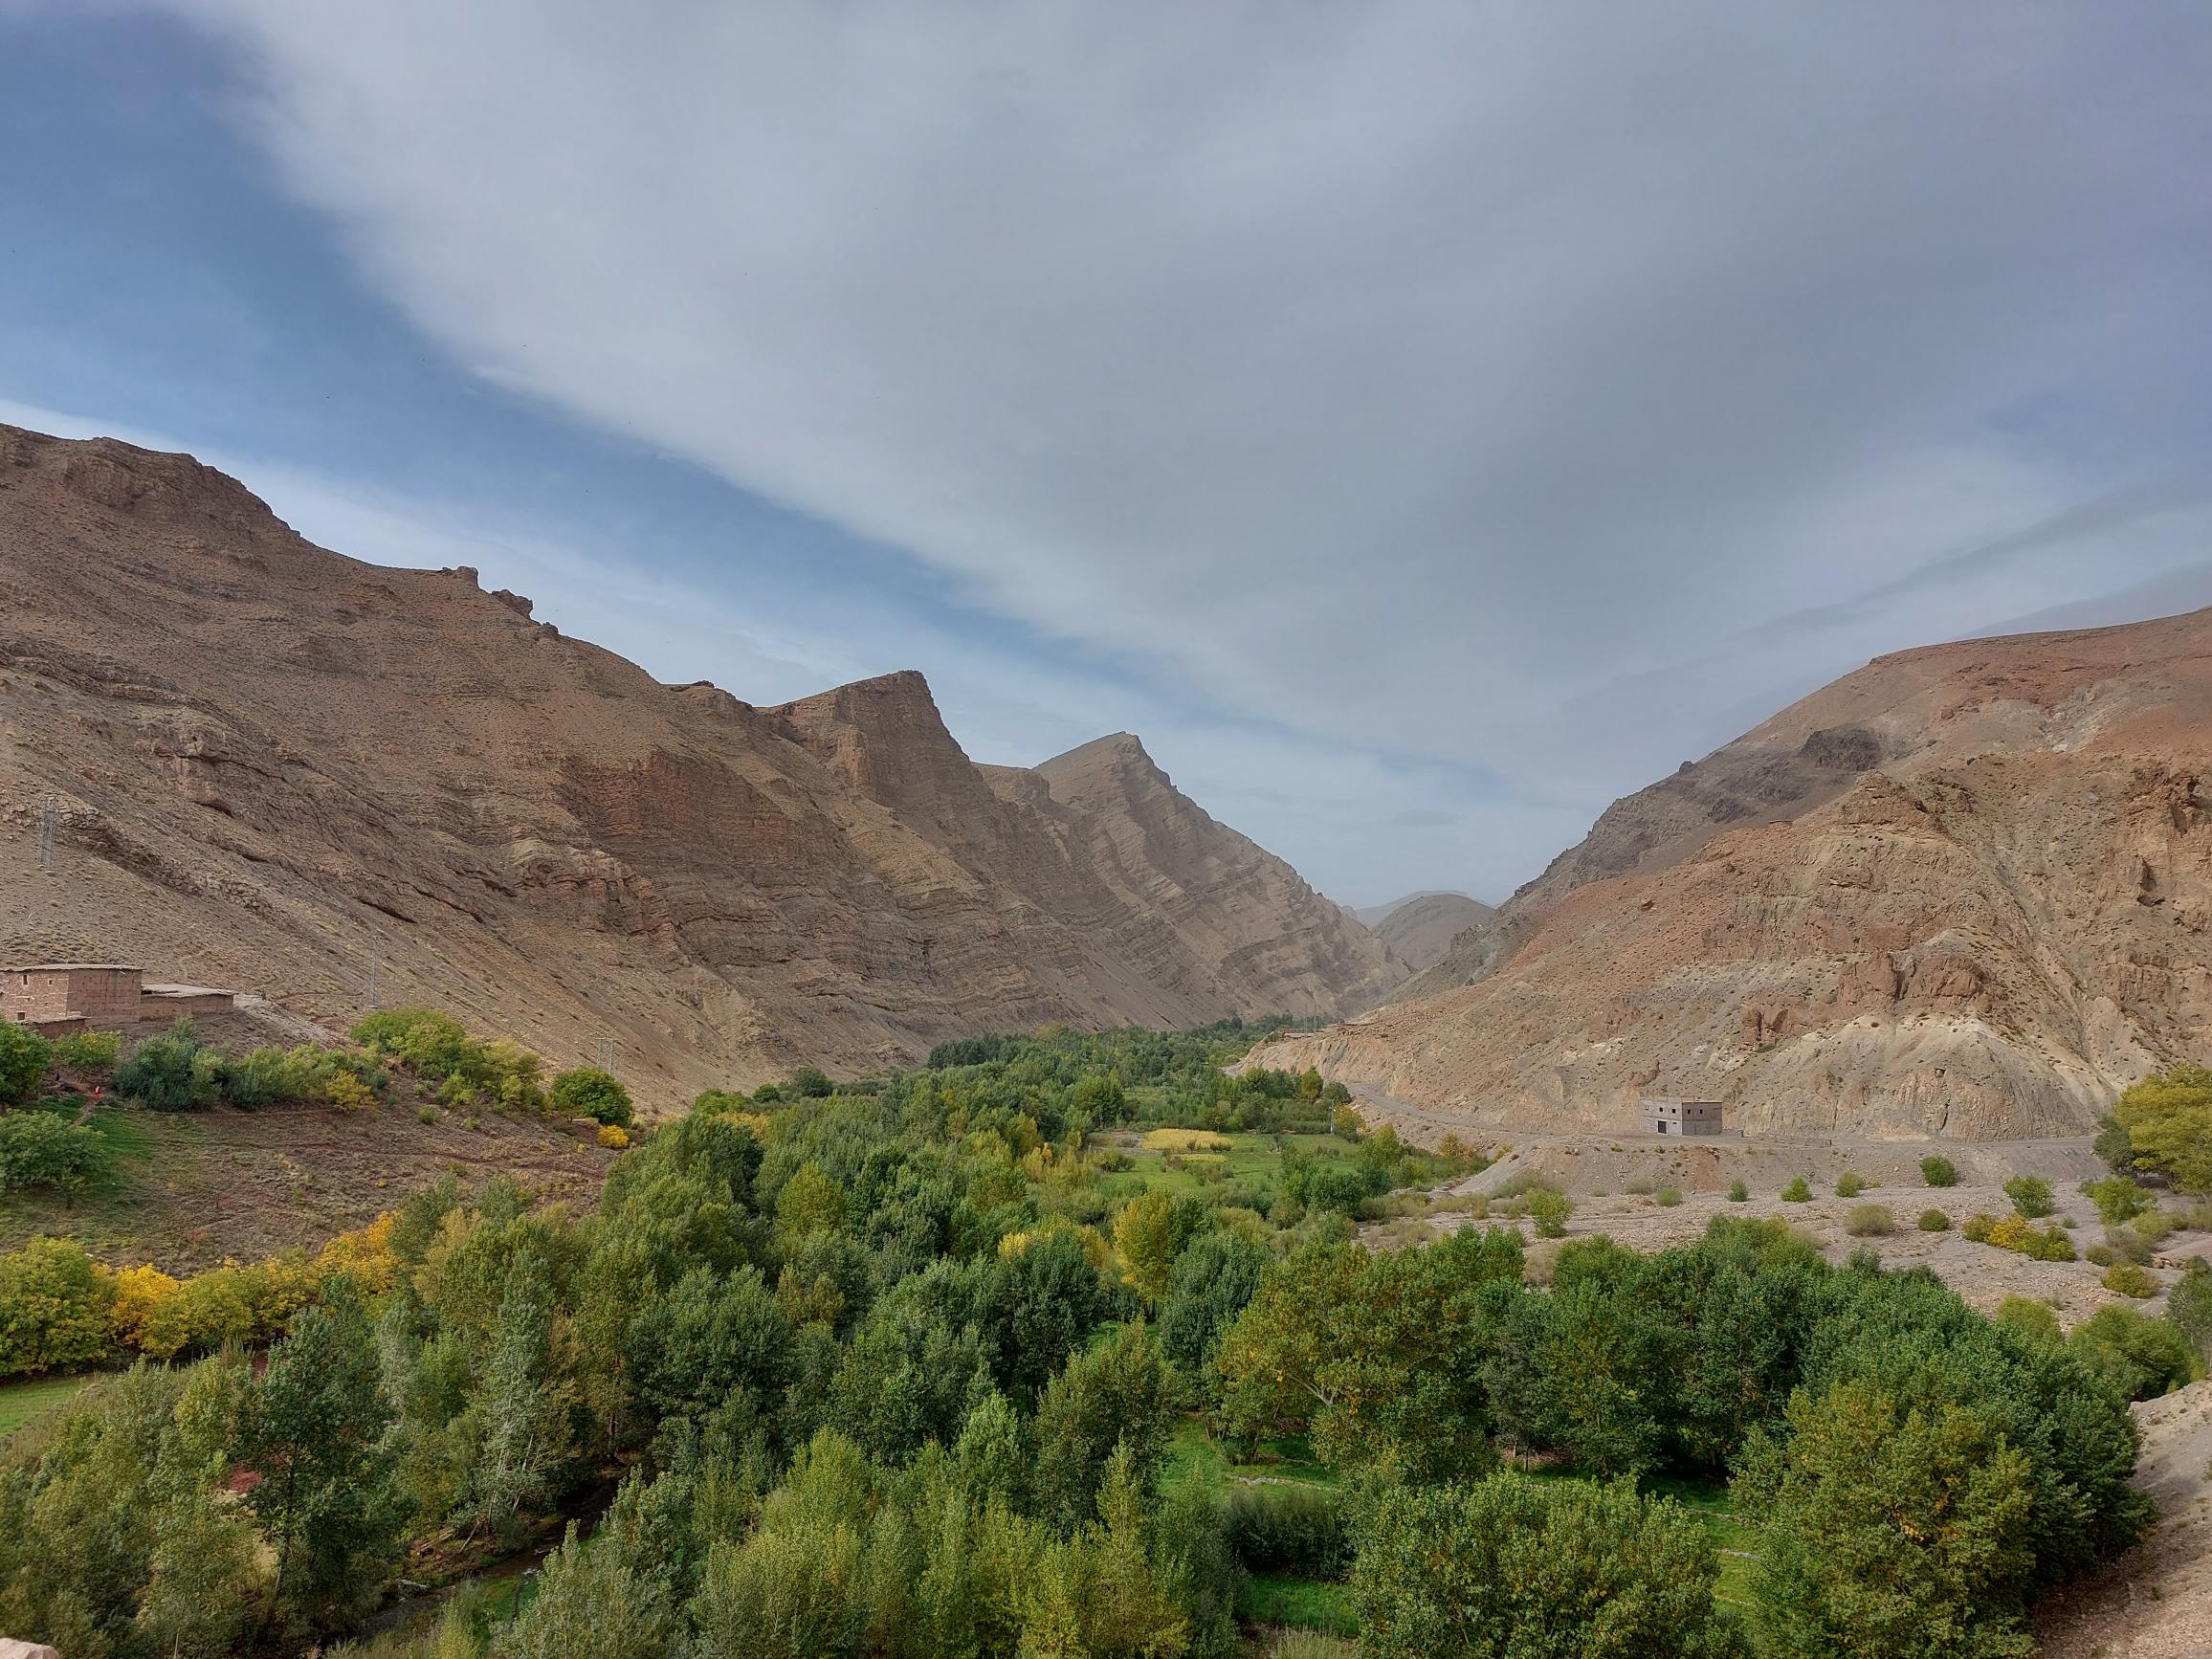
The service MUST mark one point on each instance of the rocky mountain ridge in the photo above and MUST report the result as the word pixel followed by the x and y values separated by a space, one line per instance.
pixel 279 768
pixel 1961 892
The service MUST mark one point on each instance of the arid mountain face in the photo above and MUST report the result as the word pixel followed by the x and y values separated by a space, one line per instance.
pixel 279 769
pixel 1963 892
pixel 1420 930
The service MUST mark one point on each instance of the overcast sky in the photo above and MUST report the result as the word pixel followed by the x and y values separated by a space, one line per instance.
pixel 1420 422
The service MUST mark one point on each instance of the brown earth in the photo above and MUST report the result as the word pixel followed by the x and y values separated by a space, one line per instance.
pixel 283 770
pixel 1962 892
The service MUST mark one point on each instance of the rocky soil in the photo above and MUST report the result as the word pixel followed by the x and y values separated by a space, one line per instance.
pixel 1962 894
pixel 289 772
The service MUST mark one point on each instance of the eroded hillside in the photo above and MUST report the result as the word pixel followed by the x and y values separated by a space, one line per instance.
pixel 1963 892
pixel 288 771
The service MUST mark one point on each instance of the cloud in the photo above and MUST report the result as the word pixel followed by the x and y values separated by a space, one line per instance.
pixel 1486 385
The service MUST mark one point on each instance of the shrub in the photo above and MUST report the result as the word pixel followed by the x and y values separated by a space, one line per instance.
pixel 1640 1188
pixel 2031 1196
pixel 1798 1191
pixel 1549 1209
pixel 2117 1198
pixel 24 1056
pixel 1281 1527
pixel 812 1083
pixel 1737 1192
pixel 2032 1319
pixel 2136 1356
pixel 1939 1171
pixel 1667 1197
pixel 425 1114
pixel 2101 1255
pixel 587 1092
pixel 88 1051
pixel 2127 1279
pixel 45 1149
pixel 2189 1307
pixel 1849 1185
pixel 54 1304
pixel 1935 1220
pixel 171 1072
pixel 1870 1221
pixel 613 1136
pixel 346 1092
pixel 1978 1228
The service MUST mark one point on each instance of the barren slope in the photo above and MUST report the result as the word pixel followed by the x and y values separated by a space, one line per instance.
pixel 275 767
pixel 1961 892
pixel 1420 930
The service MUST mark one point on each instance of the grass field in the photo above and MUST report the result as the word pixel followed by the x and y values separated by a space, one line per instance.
pixel 1248 1162
pixel 20 1402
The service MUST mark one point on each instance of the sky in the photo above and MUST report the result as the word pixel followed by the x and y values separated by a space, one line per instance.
pixel 1420 422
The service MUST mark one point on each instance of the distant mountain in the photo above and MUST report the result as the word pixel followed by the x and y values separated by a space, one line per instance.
pixel 1420 928
pixel 1966 891
pixel 283 770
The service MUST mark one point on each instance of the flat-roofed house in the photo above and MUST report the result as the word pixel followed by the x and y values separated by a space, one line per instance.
pixel 1678 1116
pixel 53 997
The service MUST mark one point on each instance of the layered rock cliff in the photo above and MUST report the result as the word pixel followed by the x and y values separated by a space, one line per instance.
pixel 277 768
pixel 1963 892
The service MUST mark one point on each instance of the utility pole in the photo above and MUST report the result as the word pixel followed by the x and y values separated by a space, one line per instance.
pixel 372 985
pixel 47 813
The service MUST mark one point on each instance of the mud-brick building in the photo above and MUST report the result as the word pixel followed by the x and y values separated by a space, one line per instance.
pixel 75 996
pixel 1679 1116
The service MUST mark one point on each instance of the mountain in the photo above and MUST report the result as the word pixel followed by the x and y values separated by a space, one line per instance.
pixel 1420 928
pixel 1964 891
pixel 279 769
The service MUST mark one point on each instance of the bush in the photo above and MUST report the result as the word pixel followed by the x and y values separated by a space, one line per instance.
pixel 2127 1279
pixel 1938 1171
pixel 2117 1198
pixel 1667 1197
pixel 1282 1527
pixel 1737 1192
pixel 88 1051
pixel 2101 1255
pixel 2031 1196
pixel 171 1072
pixel 346 1092
pixel 1849 1185
pixel 425 1114
pixel 1935 1220
pixel 45 1149
pixel 1870 1221
pixel 587 1092
pixel 2189 1307
pixel 2136 1356
pixel 614 1137
pixel 811 1083
pixel 1549 1209
pixel 24 1056
pixel 1798 1191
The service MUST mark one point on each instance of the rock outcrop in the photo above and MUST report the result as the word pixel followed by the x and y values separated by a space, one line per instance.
pixel 1964 892
pixel 275 767
pixel 1420 930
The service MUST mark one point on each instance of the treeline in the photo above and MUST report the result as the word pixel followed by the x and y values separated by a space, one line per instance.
pixel 894 1330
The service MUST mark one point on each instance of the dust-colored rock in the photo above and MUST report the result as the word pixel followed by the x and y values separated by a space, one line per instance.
pixel 1962 892
pixel 279 769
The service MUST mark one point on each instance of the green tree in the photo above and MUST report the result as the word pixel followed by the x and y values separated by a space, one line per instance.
pixel 2167 1119
pixel 1891 1531
pixel 1512 1568
pixel 1210 1284
pixel 55 1305
pixel 1549 1209
pixel 609 1599
pixel 171 1072
pixel 1115 1395
pixel 811 1202
pixel 587 1092
pixel 312 1432
pixel 2189 1306
pixel 203 1575
pixel 24 1057
pixel 45 1149
pixel 520 1404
